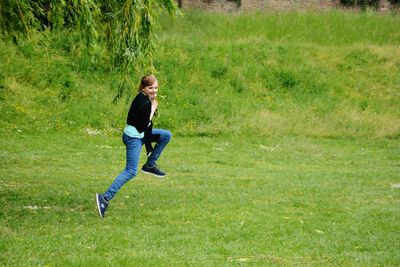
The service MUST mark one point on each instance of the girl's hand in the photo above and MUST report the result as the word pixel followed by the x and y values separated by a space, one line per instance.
pixel 154 104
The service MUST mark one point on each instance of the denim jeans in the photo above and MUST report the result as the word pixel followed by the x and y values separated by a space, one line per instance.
pixel 133 148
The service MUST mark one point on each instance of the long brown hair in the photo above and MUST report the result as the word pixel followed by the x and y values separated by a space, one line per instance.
pixel 147 81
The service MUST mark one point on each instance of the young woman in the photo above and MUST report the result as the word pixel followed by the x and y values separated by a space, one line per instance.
pixel 139 131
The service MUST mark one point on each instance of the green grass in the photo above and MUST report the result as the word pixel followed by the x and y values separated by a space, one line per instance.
pixel 226 201
pixel 331 74
pixel 327 75
pixel 285 150
pixel 335 27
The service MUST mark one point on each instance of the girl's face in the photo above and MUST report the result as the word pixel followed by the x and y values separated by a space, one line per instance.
pixel 151 90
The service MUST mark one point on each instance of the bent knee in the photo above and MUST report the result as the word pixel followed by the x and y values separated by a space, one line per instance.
pixel 167 135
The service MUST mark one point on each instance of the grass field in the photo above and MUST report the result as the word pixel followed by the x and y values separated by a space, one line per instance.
pixel 226 201
pixel 285 148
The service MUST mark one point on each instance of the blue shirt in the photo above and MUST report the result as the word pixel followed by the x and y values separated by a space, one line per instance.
pixel 131 131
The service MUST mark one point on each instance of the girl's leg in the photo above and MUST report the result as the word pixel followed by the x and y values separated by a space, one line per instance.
pixel 162 141
pixel 133 147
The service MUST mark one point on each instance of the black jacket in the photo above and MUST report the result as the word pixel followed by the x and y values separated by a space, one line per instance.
pixel 139 113
pixel 139 117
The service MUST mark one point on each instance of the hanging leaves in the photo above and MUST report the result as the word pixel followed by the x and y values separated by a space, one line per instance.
pixel 125 27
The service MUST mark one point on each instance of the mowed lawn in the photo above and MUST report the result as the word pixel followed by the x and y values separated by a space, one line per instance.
pixel 227 200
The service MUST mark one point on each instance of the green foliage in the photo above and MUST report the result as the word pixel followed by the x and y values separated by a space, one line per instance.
pixel 130 37
pixel 27 18
pixel 125 29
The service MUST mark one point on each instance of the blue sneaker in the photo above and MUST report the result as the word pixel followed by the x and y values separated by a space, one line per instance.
pixel 102 204
pixel 153 170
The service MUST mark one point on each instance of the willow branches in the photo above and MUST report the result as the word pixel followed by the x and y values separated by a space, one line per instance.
pixel 126 29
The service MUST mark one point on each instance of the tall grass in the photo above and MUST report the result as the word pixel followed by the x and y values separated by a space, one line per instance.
pixel 315 74
pixel 321 74
pixel 332 28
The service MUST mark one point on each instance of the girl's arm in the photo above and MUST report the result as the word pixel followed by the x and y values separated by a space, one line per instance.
pixel 154 104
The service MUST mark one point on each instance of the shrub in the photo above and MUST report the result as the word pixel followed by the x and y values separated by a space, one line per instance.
pixel 396 3
pixel 361 3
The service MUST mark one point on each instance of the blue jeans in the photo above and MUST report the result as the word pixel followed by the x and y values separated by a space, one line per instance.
pixel 133 148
